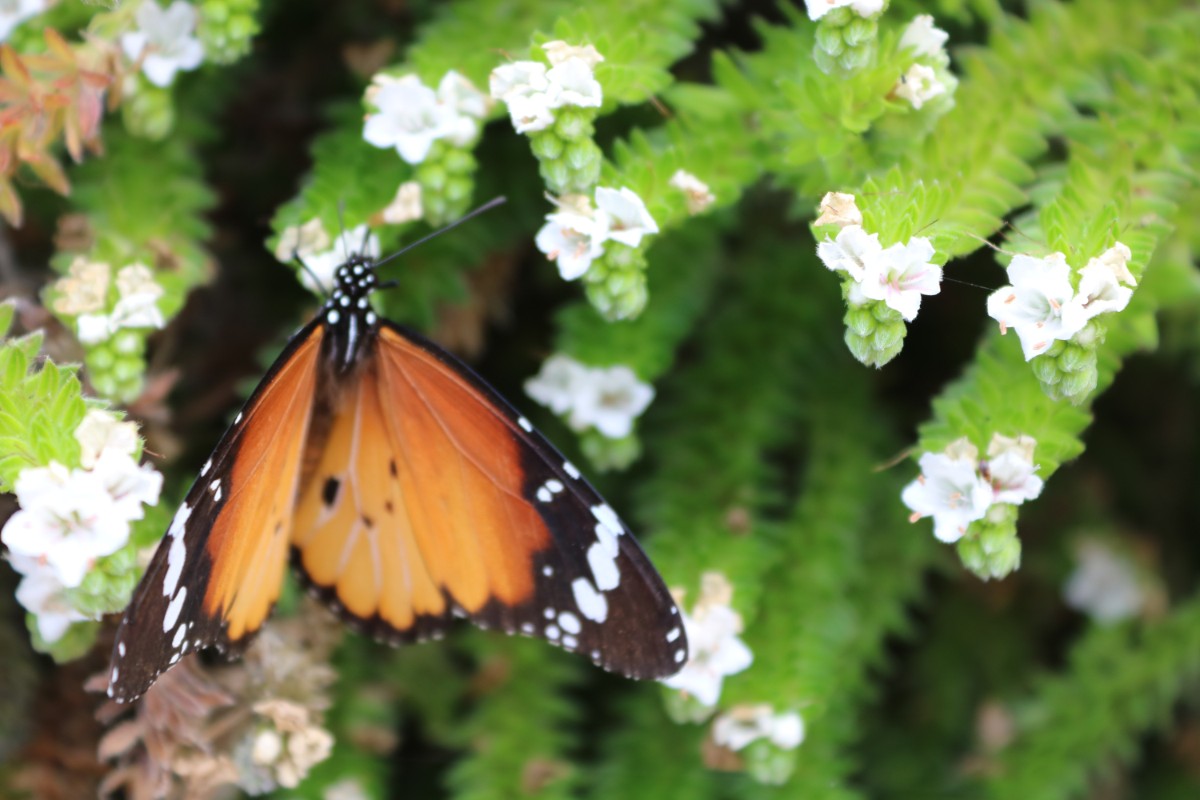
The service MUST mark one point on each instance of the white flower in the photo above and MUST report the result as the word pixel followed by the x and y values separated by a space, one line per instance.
pixel 409 117
pixel 559 52
pixel 716 651
pixel 628 219
pixel 42 594
pixel 524 87
pixel 302 241
pixel 557 383
pixel 351 243
pixel 900 274
pixel 743 724
pixel 67 519
pixel 1010 469
pixel 850 252
pixel 84 288
pixel 406 206
pixel 864 8
pixel 918 85
pixel 606 398
pixel 101 431
pixel 1034 304
pixel 1100 286
pixel 518 79
pixel 838 208
pixel 923 38
pixel 696 192
pixel 1104 585
pixel 469 105
pixel 137 307
pixel 530 113
pixel 573 237
pixel 610 400
pixel 14 12
pixel 532 92
pixel 164 41
pixel 950 490
pixel 129 484
pixel 576 85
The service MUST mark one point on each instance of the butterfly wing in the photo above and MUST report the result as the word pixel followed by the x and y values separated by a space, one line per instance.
pixel 218 572
pixel 434 498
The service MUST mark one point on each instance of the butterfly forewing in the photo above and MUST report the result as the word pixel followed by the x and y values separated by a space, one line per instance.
pixel 218 572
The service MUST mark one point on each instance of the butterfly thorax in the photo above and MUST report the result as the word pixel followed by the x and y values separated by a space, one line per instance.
pixel 350 323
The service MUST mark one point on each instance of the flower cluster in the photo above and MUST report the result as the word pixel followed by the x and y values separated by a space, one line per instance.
pixel 84 293
pixel 608 399
pixel 556 106
pixel 533 93
pixel 320 255
pixel 956 488
pixel 1105 583
pixel 411 116
pixel 1055 317
pixel 712 630
pixel 112 325
pixel 695 191
pixel 743 724
pixel 433 130
pixel 882 286
pixel 164 42
pixel 929 75
pixel 70 518
pixel 1042 306
pixel 575 235
pixel 289 742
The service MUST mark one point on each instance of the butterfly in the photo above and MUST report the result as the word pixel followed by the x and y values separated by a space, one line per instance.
pixel 405 491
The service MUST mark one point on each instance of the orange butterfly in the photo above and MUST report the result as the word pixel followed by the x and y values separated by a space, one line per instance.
pixel 406 491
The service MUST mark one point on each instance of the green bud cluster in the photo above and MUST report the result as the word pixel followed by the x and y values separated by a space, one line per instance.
pixel 991 548
pixel 569 160
pixel 616 282
pixel 447 182
pixel 116 367
pixel 768 763
pixel 845 42
pixel 148 111
pixel 610 454
pixel 227 28
pixel 1068 370
pixel 874 332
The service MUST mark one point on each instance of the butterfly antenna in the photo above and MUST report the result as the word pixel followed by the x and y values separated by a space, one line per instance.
pixel 342 225
pixel 316 279
pixel 488 206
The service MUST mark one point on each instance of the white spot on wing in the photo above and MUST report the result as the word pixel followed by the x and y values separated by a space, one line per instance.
pixel 174 609
pixel 569 622
pixel 591 602
pixel 608 518
pixel 549 613
pixel 527 627
pixel 552 632
pixel 672 634
pixel 547 570
pixel 680 656
pixel 543 495
pixel 121 649
pixel 207 466
pixel 238 418
pixel 569 468
pixel 524 423
pixel 554 486
pixel 604 567
pixel 177 554
pixel 180 632
pixel 570 642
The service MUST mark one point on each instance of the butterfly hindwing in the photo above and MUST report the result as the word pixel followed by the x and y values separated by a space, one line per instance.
pixel 217 573
pixel 433 498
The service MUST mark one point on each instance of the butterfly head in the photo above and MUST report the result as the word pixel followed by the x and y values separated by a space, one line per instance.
pixel 347 314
